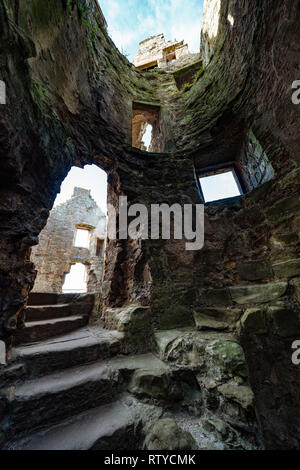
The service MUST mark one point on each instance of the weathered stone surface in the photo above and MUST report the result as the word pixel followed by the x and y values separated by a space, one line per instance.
pixel 254 319
pixel 229 356
pixel 49 399
pixel 2 353
pixel 12 373
pixel 156 52
pixel 284 209
pixel 185 347
pixel 76 92
pixel 221 427
pixel 238 393
pixel 205 322
pixel 167 435
pixel 257 166
pixel 135 322
pixel 260 293
pixel 287 269
pixel 255 270
pixel 39 330
pixel 73 349
pixel 286 320
pixel 217 318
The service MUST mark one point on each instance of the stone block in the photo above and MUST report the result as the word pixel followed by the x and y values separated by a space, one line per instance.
pixel 240 394
pixel 255 270
pixel 181 347
pixel 176 316
pixel 261 293
pixel 205 322
pixel 253 321
pixel 286 321
pixel 135 322
pixel 2 353
pixel 284 209
pixel 216 297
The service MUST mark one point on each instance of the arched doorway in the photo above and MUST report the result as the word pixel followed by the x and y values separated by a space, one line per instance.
pixel 76 279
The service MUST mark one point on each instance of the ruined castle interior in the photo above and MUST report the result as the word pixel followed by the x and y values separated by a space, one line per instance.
pixel 164 348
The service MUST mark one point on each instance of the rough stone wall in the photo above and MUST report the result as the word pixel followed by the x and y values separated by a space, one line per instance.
pixel 55 253
pixel 76 108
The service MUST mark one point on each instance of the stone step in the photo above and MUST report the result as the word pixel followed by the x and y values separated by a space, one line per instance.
pixel 60 395
pixel 188 347
pixel 74 349
pixel 110 426
pixel 47 312
pixel 41 330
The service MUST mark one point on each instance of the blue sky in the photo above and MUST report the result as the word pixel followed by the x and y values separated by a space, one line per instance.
pixel 132 21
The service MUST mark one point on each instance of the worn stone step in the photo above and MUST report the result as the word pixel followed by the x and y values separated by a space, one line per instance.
pixel 76 348
pixel 41 330
pixel 54 397
pixel 111 426
pixel 47 312
pixel 41 298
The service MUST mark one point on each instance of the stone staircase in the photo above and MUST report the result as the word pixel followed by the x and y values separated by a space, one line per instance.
pixel 50 315
pixel 85 390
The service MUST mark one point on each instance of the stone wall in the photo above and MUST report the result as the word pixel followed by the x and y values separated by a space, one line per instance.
pixel 255 165
pixel 56 252
pixel 76 108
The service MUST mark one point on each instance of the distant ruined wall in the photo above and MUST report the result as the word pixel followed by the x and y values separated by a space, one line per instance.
pixel 55 253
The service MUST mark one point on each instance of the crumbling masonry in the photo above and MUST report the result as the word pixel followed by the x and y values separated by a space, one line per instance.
pixel 57 252
pixel 196 345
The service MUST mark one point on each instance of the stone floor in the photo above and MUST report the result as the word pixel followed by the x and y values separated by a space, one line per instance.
pixel 78 391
